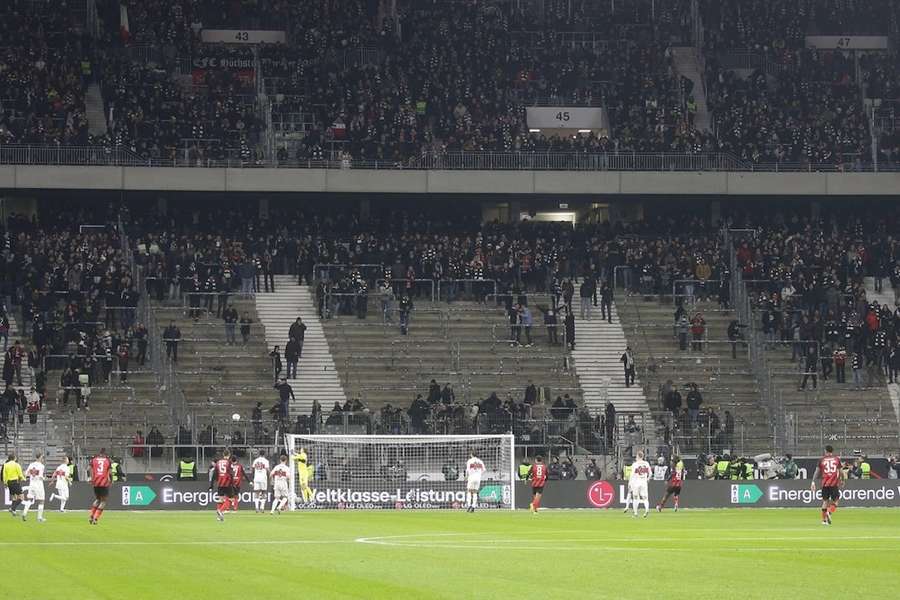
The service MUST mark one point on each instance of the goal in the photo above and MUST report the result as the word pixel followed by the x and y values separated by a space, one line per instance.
pixel 399 471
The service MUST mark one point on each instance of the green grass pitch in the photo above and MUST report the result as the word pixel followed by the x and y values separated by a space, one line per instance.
pixel 717 554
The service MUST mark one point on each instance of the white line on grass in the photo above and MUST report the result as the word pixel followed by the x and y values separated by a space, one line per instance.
pixel 185 543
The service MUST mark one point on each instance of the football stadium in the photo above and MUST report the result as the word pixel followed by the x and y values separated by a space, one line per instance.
pixel 449 299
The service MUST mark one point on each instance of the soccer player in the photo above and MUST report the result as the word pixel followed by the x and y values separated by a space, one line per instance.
pixel 36 492
pixel 538 476
pixel 13 478
pixel 281 486
pixel 237 478
pixel 829 469
pixel 101 480
pixel 61 480
pixel 260 481
pixel 660 470
pixel 303 476
pixel 221 475
pixel 638 484
pixel 474 471
pixel 676 480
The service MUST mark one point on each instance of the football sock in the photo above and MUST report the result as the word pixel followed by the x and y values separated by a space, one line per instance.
pixel 99 513
pixel 676 501
pixel 41 510
pixel 27 508
pixel 62 505
pixel 824 514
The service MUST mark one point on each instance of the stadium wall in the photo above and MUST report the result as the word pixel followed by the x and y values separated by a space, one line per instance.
pixel 29 177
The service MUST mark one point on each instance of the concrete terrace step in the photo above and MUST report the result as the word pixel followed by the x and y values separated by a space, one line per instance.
pixel 317 377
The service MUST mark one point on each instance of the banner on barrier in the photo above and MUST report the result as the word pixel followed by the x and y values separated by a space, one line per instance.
pixel 156 495
pixel 779 493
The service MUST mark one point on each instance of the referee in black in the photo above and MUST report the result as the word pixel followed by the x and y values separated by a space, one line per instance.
pixel 12 479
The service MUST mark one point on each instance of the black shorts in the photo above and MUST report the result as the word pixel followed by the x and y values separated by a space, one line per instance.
pixel 101 492
pixel 15 488
pixel 831 492
pixel 674 490
pixel 226 491
pixel 537 490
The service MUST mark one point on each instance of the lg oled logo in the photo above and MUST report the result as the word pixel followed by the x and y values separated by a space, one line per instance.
pixel 601 494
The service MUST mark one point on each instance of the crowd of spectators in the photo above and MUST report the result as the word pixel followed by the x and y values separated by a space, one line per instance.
pixel 446 76
pixel 44 70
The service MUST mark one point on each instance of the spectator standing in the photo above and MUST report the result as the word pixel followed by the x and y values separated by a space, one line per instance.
pixel 275 356
pixel 570 329
pixel 256 420
pixel 840 361
pixel 694 401
pixel 140 335
pixel 585 294
pixel 606 300
pixel 171 336
pixel 387 299
pixel 245 323
pixel 123 353
pixel 405 307
pixel 298 332
pixel 698 328
pixel 137 444
pixel 33 405
pixel 285 395
pixel 609 422
pixel 527 322
pixel 550 322
pixel 682 326
pixel 627 360
pixel 856 363
pixel 4 328
pixel 230 317
pixel 292 356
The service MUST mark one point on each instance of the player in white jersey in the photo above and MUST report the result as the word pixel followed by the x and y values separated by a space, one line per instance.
pixel 474 472
pixel 35 475
pixel 660 470
pixel 637 484
pixel 61 479
pixel 260 481
pixel 281 486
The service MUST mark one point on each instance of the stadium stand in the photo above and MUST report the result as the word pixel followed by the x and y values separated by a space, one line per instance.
pixel 439 85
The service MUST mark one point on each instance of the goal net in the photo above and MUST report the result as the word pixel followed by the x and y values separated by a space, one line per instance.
pixel 398 471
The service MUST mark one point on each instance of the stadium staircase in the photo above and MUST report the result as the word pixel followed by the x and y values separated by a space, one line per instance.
pixel 317 378
pixel 96 116
pixel 687 64
pixel 30 439
pixel 724 383
pixel 465 344
pixel 598 348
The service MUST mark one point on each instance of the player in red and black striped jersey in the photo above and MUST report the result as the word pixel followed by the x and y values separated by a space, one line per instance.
pixel 538 476
pixel 829 469
pixel 221 475
pixel 676 480
pixel 101 480
pixel 238 475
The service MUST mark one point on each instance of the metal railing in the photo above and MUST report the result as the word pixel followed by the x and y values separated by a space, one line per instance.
pixel 120 156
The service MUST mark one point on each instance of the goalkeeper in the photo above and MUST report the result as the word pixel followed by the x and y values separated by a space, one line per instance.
pixel 304 473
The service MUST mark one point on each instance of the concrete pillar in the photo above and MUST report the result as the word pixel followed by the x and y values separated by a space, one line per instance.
pixel 715 212
pixel 365 210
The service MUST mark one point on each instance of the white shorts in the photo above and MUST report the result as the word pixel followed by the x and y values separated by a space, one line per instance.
pixel 260 485
pixel 62 492
pixel 473 485
pixel 36 492
pixel 282 491
pixel 639 490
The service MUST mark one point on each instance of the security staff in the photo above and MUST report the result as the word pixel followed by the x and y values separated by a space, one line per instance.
pixel 524 468
pixel 626 473
pixel 722 467
pixel 748 470
pixel 116 472
pixel 12 479
pixel 865 469
pixel 187 470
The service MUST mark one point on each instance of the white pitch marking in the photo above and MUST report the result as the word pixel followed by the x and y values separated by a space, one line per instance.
pixel 184 543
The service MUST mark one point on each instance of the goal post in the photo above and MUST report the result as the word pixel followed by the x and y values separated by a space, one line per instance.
pixel 399 471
